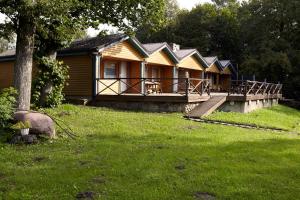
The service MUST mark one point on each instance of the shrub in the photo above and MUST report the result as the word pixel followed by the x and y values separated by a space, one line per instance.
pixel 49 83
pixel 7 103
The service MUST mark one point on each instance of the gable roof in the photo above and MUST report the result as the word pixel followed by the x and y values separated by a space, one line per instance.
pixel 101 43
pixel 89 44
pixel 154 47
pixel 227 63
pixel 184 53
pixel 213 60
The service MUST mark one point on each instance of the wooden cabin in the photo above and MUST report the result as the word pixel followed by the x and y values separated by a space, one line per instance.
pixel 212 72
pixel 159 68
pixel 191 65
pixel 94 63
pixel 227 74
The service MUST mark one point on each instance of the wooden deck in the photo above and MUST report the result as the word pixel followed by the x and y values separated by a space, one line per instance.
pixel 164 97
pixel 253 97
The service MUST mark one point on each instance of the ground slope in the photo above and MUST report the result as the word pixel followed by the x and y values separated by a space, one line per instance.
pixel 131 155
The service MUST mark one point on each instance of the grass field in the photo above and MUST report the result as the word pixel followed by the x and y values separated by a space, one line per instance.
pixel 135 155
pixel 277 116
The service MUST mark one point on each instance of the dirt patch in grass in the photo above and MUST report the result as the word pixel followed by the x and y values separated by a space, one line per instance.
pixel 2 176
pixel 39 159
pixel 63 113
pixel 99 180
pixel 85 195
pixel 180 167
pixel 191 127
pixel 83 162
pixel 204 196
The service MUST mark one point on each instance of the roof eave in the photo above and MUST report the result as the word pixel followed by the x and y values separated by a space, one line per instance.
pixel 138 46
pixel 7 58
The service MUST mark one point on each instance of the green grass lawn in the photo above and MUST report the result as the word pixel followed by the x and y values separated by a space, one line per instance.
pixel 135 155
pixel 278 116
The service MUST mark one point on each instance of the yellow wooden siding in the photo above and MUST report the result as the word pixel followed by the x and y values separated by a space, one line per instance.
pixel 122 50
pixel 80 72
pixel 160 58
pixel 190 63
pixel 213 69
pixel 226 71
pixel 6 74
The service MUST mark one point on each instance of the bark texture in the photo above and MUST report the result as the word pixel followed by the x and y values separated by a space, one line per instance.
pixel 23 64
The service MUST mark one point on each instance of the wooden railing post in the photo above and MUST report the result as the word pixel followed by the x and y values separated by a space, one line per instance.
pixel 187 85
pixel 142 77
pixel 246 89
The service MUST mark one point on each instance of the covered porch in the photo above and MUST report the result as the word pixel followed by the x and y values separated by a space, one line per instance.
pixel 153 89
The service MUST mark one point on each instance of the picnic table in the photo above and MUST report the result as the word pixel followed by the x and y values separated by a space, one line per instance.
pixel 152 87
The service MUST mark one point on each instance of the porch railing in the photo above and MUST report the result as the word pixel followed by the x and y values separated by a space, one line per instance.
pixel 151 86
pixel 255 88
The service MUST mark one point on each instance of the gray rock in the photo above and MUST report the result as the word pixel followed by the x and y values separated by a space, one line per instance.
pixel 40 124
pixel 25 139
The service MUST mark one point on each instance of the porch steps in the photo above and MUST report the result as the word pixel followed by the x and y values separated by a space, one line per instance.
pixel 207 107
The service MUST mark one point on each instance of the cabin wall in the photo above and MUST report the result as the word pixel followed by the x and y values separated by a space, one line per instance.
pixel 167 84
pixel 190 63
pixel 80 75
pixel 214 81
pixel 213 69
pixel 6 74
pixel 225 82
pixel 160 58
pixel 134 71
pixel 123 50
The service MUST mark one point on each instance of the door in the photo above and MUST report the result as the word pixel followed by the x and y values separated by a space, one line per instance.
pixel 123 74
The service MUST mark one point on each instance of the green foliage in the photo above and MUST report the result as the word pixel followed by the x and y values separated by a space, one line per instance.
pixel 21 125
pixel 261 36
pixel 7 103
pixel 51 74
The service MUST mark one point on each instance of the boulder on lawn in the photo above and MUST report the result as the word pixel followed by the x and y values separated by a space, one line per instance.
pixel 23 139
pixel 40 124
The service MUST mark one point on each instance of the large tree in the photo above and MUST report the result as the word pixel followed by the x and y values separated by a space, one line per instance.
pixel 262 36
pixel 53 19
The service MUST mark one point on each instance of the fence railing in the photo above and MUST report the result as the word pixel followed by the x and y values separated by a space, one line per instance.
pixel 151 86
pixel 255 88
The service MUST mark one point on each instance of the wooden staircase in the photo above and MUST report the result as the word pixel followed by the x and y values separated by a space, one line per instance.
pixel 207 107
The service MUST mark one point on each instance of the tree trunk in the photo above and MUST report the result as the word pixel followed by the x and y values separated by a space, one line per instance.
pixel 23 64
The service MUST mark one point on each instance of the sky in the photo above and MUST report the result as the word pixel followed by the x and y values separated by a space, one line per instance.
pixel 189 4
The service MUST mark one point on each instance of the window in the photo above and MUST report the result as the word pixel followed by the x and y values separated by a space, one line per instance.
pixel 110 70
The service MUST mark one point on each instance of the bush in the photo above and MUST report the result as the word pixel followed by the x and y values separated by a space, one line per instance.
pixel 7 103
pixel 49 83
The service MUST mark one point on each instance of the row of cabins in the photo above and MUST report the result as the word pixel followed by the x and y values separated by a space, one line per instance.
pixel 117 65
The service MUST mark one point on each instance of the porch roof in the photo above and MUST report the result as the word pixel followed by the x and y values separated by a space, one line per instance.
pixel 8 55
pixel 85 46
pixel 99 44
pixel 185 53
pixel 163 46
pixel 227 63
pixel 213 60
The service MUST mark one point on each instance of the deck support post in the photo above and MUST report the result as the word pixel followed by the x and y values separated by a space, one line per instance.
pixel 142 76
pixel 175 79
pixel 203 82
pixel 96 58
